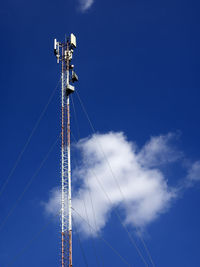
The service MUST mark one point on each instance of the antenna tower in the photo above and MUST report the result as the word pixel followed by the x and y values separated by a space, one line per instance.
pixel 68 76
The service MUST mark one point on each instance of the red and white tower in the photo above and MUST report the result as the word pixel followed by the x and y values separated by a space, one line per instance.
pixel 68 76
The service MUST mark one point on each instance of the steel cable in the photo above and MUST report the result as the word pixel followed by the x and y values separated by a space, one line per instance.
pixel 80 244
pixel 93 244
pixel 86 213
pixel 120 219
pixel 42 229
pixel 28 141
pixel 77 128
pixel 104 240
pixel 113 175
pixel 28 184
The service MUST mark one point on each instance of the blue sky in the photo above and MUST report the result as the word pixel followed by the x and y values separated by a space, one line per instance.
pixel 138 67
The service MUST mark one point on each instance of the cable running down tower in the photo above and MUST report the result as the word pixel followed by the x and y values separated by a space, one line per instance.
pixel 68 76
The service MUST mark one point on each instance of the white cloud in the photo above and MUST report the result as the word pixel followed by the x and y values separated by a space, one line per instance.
pixel 53 205
pixel 85 4
pixel 193 173
pixel 130 177
pixel 159 150
pixel 115 174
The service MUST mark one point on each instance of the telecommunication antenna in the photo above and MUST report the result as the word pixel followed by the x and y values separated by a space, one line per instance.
pixel 68 76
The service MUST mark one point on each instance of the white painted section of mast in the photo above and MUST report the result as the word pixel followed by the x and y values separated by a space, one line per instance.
pixel 69 163
pixel 69 173
pixel 62 161
pixel 69 152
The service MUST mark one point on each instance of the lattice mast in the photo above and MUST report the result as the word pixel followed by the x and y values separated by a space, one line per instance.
pixel 68 76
